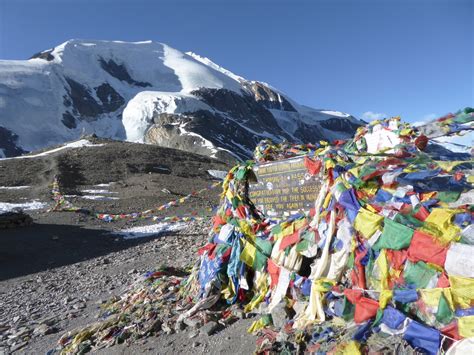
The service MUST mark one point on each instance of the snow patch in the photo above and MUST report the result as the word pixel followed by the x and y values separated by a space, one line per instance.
pixel 14 187
pixel 150 230
pixel 99 197
pixel 210 63
pixel 194 75
pixel 104 185
pixel 218 174
pixel 336 113
pixel 95 191
pixel 461 144
pixel 138 114
pixel 27 206
pixel 78 144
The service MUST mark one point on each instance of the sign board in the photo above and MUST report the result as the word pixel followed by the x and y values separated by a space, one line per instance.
pixel 284 188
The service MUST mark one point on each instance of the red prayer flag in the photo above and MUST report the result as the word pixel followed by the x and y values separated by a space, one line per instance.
pixel 426 248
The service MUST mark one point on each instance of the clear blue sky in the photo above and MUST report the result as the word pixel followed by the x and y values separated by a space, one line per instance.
pixel 414 58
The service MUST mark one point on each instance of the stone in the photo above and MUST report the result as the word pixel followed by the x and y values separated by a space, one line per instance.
pixel 166 328
pixel 20 333
pixel 193 334
pixel 209 328
pixel 239 313
pixel 154 327
pixel 193 322
pixel 282 337
pixel 18 346
pixel 79 305
pixel 179 326
pixel 299 306
pixel 4 328
pixel 43 329
pixel 279 315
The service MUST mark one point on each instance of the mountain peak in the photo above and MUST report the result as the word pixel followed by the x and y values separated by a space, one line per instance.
pixel 149 92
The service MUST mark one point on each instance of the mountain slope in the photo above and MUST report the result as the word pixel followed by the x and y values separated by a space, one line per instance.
pixel 148 92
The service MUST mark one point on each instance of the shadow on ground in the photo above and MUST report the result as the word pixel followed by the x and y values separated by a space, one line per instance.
pixel 40 247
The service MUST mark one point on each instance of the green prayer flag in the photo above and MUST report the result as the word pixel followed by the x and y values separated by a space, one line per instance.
pixel 350 261
pixel 260 261
pixel 378 318
pixel 408 220
pixel 302 246
pixel 448 196
pixel 366 170
pixel 264 246
pixel 357 183
pixel 418 274
pixel 309 235
pixel 267 319
pixel 233 221
pixel 276 229
pixel 444 314
pixel 235 202
pixel 240 174
pixel 347 310
pixel 395 236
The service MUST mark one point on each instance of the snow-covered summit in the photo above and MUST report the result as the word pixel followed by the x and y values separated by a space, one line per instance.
pixel 147 92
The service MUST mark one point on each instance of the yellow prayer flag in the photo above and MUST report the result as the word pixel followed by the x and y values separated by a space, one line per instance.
pixel 257 325
pixel 384 298
pixel 351 348
pixel 383 265
pixel 248 254
pixel 466 326
pixel 439 223
pixel 449 165
pixel 367 223
pixel 327 200
pixel 431 296
pixel 462 290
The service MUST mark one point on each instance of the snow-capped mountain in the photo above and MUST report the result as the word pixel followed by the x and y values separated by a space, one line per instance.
pixel 148 92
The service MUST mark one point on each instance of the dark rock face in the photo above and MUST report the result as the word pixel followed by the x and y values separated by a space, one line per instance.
pixel 68 120
pixel 339 125
pixel 82 99
pixel 120 72
pixel 223 132
pixel 8 142
pixel 46 55
pixel 244 108
pixel 438 152
pixel 111 100
pixel 83 104
pixel 309 134
pixel 214 127
pixel 211 126
pixel 269 98
pixel 236 123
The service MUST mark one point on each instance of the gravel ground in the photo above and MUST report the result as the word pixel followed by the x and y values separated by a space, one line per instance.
pixel 55 273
